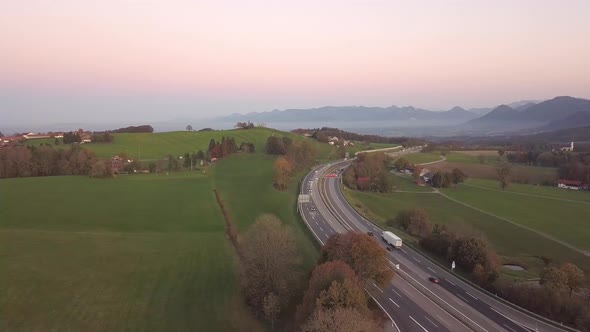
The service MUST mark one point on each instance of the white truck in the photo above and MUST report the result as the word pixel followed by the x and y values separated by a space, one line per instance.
pixel 392 239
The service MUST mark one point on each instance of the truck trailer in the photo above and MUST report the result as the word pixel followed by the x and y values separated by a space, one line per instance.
pixel 392 239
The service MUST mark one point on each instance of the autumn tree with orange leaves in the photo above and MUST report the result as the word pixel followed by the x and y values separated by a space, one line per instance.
pixel 361 253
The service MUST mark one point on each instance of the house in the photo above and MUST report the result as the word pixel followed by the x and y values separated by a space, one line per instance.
pixel 35 136
pixel 568 148
pixel 86 138
pixel 421 183
pixel 424 171
pixel 571 184
pixel 9 139
pixel 427 177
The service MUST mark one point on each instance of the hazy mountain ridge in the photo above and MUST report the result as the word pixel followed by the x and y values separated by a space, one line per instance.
pixel 547 115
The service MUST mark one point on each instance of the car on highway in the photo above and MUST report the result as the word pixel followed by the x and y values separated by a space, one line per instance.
pixel 434 280
pixel 369 233
pixel 390 248
pixel 312 208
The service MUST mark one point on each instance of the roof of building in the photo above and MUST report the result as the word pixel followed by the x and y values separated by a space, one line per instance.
pixel 569 182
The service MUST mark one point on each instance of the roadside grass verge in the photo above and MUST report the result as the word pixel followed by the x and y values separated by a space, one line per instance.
pixel 510 241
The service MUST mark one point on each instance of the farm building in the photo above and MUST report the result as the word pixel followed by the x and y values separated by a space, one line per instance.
pixel 571 184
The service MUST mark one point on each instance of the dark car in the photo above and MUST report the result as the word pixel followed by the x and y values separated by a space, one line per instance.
pixel 434 280
pixel 369 233
pixel 389 248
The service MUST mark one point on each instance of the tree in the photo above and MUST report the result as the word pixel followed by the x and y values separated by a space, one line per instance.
pixel 554 278
pixel 504 175
pixel 321 278
pixel 272 308
pixel 469 252
pixel 189 128
pixel 338 320
pixel 575 276
pixel 501 153
pixel 56 142
pixel 437 180
pixel 200 155
pixel 100 169
pixel 414 221
pixel 361 253
pixel 186 163
pixel 269 264
pixel 401 163
pixel 341 151
pixel 212 145
pixel 481 158
pixel 1 134
pixel 152 167
pixel 458 176
pixel 283 170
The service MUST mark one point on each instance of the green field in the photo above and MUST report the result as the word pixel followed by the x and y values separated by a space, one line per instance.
pixel 565 220
pixel 143 252
pixel 245 185
pixel 514 243
pixel 421 158
pixel 545 191
pixel 153 146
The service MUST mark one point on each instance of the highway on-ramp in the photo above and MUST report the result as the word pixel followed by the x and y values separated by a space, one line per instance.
pixel 411 301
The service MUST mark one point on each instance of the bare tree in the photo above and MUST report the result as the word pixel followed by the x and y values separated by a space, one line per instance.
pixel 189 128
pixel 338 320
pixel 504 175
pixel 575 276
pixel 270 263
pixel 272 308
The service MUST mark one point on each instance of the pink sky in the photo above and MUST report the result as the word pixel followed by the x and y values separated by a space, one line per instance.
pixel 241 56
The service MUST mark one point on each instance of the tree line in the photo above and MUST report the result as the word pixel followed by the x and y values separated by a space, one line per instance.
pixel 369 172
pixel 294 157
pixel 332 299
pixel 44 160
pixel 554 299
pixel 572 166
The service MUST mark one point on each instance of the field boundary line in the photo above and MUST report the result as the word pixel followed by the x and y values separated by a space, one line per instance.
pixel 527 194
pixel 547 236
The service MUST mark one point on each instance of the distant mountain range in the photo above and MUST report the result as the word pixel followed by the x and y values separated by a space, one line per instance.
pixel 358 113
pixel 528 115
pixel 557 113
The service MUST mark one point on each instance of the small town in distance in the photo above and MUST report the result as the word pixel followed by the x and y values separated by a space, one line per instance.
pixel 302 167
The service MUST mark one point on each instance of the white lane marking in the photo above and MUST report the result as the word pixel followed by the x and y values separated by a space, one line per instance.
pixel 450 282
pixel 431 322
pixel 321 229
pixel 385 311
pixel 416 259
pixel 466 292
pixel 431 269
pixel 462 298
pixel 396 293
pixel 442 320
pixel 405 252
pixel 392 301
pixel 445 302
pixel 512 320
pixel 316 223
pixel 378 287
pixel 412 318
pixel 313 216
pixel 508 327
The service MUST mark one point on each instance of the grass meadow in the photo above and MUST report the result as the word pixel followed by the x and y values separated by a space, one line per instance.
pixel 515 244
pixel 137 253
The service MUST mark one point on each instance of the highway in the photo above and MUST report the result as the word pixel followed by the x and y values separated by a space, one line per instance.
pixel 411 301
